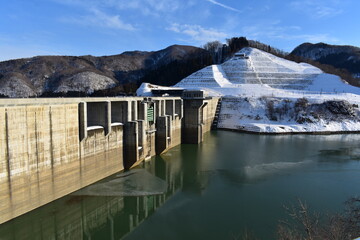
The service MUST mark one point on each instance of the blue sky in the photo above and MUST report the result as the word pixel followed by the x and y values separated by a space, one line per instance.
pixel 107 27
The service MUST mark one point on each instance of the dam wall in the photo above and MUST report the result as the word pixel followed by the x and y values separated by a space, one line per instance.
pixel 199 114
pixel 52 147
pixel 40 156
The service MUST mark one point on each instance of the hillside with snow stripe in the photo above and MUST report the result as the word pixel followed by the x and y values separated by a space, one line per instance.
pixel 263 70
pixel 253 66
pixel 267 94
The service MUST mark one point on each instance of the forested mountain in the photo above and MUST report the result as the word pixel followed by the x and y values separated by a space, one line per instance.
pixel 345 57
pixel 89 75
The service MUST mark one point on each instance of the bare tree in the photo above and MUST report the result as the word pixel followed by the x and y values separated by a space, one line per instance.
pixel 215 49
pixel 306 225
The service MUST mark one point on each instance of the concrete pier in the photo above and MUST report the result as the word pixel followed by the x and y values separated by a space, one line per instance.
pixel 199 113
pixel 52 147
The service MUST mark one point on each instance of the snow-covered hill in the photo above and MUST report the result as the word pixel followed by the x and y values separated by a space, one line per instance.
pixel 265 93
pixel 253 66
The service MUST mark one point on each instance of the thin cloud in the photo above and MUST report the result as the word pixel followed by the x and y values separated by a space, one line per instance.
pixel 327 12
pixel 315 38
pixel 275 31
pixel 271 30
pixel 101 19
pixel 224 6
pixel 197 33
pixel 318 9
pixel 146 7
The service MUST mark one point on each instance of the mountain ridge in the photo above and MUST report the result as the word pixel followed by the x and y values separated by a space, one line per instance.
pixel 43 74
pixel 340 56
pixel 119 74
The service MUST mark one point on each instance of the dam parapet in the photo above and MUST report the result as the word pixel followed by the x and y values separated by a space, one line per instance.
pixel 52 147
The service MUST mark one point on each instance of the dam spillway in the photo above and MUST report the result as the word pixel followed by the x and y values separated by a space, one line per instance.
pixel 52 147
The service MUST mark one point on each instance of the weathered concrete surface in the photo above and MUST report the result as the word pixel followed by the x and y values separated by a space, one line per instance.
pixel 42 158
pixel 198 117
pixel 162 134
pixel 52 147
pixel 101 155
pixel 131 144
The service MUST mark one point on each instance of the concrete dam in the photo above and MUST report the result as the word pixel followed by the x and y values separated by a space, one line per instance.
pixel 52 147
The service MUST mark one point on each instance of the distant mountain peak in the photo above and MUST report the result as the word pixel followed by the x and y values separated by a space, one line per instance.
pixel 339 56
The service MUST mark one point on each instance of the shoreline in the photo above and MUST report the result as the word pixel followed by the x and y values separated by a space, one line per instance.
pixel 290 133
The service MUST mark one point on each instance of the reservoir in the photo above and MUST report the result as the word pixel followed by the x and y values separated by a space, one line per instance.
pixel 230 183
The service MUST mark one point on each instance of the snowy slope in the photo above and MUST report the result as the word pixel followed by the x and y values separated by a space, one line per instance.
pixel 85 82
pixel 261 93
pixel 259 68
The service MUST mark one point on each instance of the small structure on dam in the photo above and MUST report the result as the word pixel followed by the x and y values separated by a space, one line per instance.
pixel 52 147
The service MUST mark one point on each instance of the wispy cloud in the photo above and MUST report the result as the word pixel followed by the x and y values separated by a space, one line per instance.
pixel 224 6
pixel 314 38
pixel 319 8
pixel 101 19
pixel 272 29
pixel 197 33
pixel 147 7
pixel 276 31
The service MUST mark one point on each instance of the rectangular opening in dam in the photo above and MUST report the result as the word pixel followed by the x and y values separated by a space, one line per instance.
pixel 98 115
pixel 119 112
pixel 141 110
pixel 169 107
pixel 133 111
pixel 178 108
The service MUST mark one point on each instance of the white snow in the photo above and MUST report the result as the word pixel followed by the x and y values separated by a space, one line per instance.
pixel 92 128
pixel 16 87
pixel 115 124
pixel 220 76
pixel 86 82
pixel 250 114
pixel 145 89
pixel 248 84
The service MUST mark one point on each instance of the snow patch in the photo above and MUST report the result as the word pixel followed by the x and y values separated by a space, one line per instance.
pixel 85 82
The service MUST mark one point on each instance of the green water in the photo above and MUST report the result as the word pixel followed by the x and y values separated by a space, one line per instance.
pixel 229 184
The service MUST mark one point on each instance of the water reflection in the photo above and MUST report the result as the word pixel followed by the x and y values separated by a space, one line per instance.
pixel 230 182
pixel 341 154
pixel 109 209
pixel 136 182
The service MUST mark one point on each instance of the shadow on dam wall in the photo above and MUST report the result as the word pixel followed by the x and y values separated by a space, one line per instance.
pixel 78 216
pixel 52 147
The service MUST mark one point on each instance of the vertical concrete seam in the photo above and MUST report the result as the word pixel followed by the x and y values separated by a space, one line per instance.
pixel 27 139
pixel 37 153
pixel 36 145
pixel 51 144
pixel 66 134
pixel 8 152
